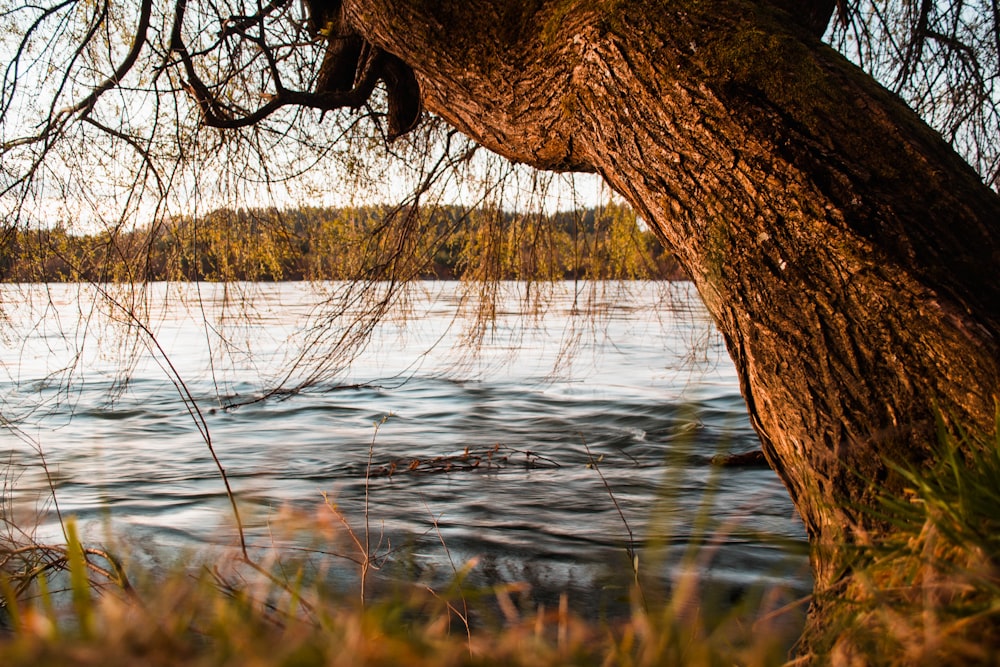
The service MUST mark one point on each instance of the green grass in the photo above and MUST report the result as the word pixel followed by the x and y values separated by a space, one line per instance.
pixel 929 593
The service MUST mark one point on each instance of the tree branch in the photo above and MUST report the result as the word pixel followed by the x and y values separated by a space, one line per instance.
pixel 238 25
pixel 86 104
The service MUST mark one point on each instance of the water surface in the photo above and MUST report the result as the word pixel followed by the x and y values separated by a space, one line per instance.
pixel 545 446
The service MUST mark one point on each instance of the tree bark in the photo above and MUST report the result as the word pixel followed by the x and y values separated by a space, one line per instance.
pixel 847 254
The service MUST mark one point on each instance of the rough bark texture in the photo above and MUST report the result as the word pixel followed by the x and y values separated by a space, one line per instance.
pixel 846 253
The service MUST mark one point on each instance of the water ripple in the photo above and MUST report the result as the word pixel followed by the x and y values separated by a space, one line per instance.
pixel 636 403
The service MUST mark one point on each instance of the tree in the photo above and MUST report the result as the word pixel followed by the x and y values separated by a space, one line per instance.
pixel 844 248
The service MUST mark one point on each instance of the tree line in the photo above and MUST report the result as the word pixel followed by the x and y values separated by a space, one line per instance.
pixel 313 243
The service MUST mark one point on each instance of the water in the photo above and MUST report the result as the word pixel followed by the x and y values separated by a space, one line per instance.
pixel 630 376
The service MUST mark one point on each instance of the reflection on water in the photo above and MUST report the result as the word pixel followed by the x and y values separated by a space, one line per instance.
pixel 640 384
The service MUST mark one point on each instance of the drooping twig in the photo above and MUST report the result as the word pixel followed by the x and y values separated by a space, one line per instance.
pixel 630 546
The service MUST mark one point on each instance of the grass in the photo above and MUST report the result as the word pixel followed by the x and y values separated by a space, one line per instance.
pixel 72 604
pixel 283 613
pixel 929 594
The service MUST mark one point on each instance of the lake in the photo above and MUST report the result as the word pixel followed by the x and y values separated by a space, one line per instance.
pixel 543 434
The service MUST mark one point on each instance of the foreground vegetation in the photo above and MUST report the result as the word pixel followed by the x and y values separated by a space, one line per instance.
pixel 930 595
pixel 347 244
pixel 233 612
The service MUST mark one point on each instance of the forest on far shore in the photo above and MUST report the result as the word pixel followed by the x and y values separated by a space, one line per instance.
pixel 443 242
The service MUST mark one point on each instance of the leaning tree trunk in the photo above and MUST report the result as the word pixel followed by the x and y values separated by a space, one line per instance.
pixel 847 254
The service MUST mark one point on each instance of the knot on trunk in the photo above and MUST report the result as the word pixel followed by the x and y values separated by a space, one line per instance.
pixel 351 64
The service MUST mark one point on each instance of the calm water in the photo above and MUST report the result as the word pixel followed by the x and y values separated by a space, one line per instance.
pixel 631 375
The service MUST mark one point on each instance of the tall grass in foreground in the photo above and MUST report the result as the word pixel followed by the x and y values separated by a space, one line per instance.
pixel 69 604
pixel 197 621
pixel 928 595
pixel 72 605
